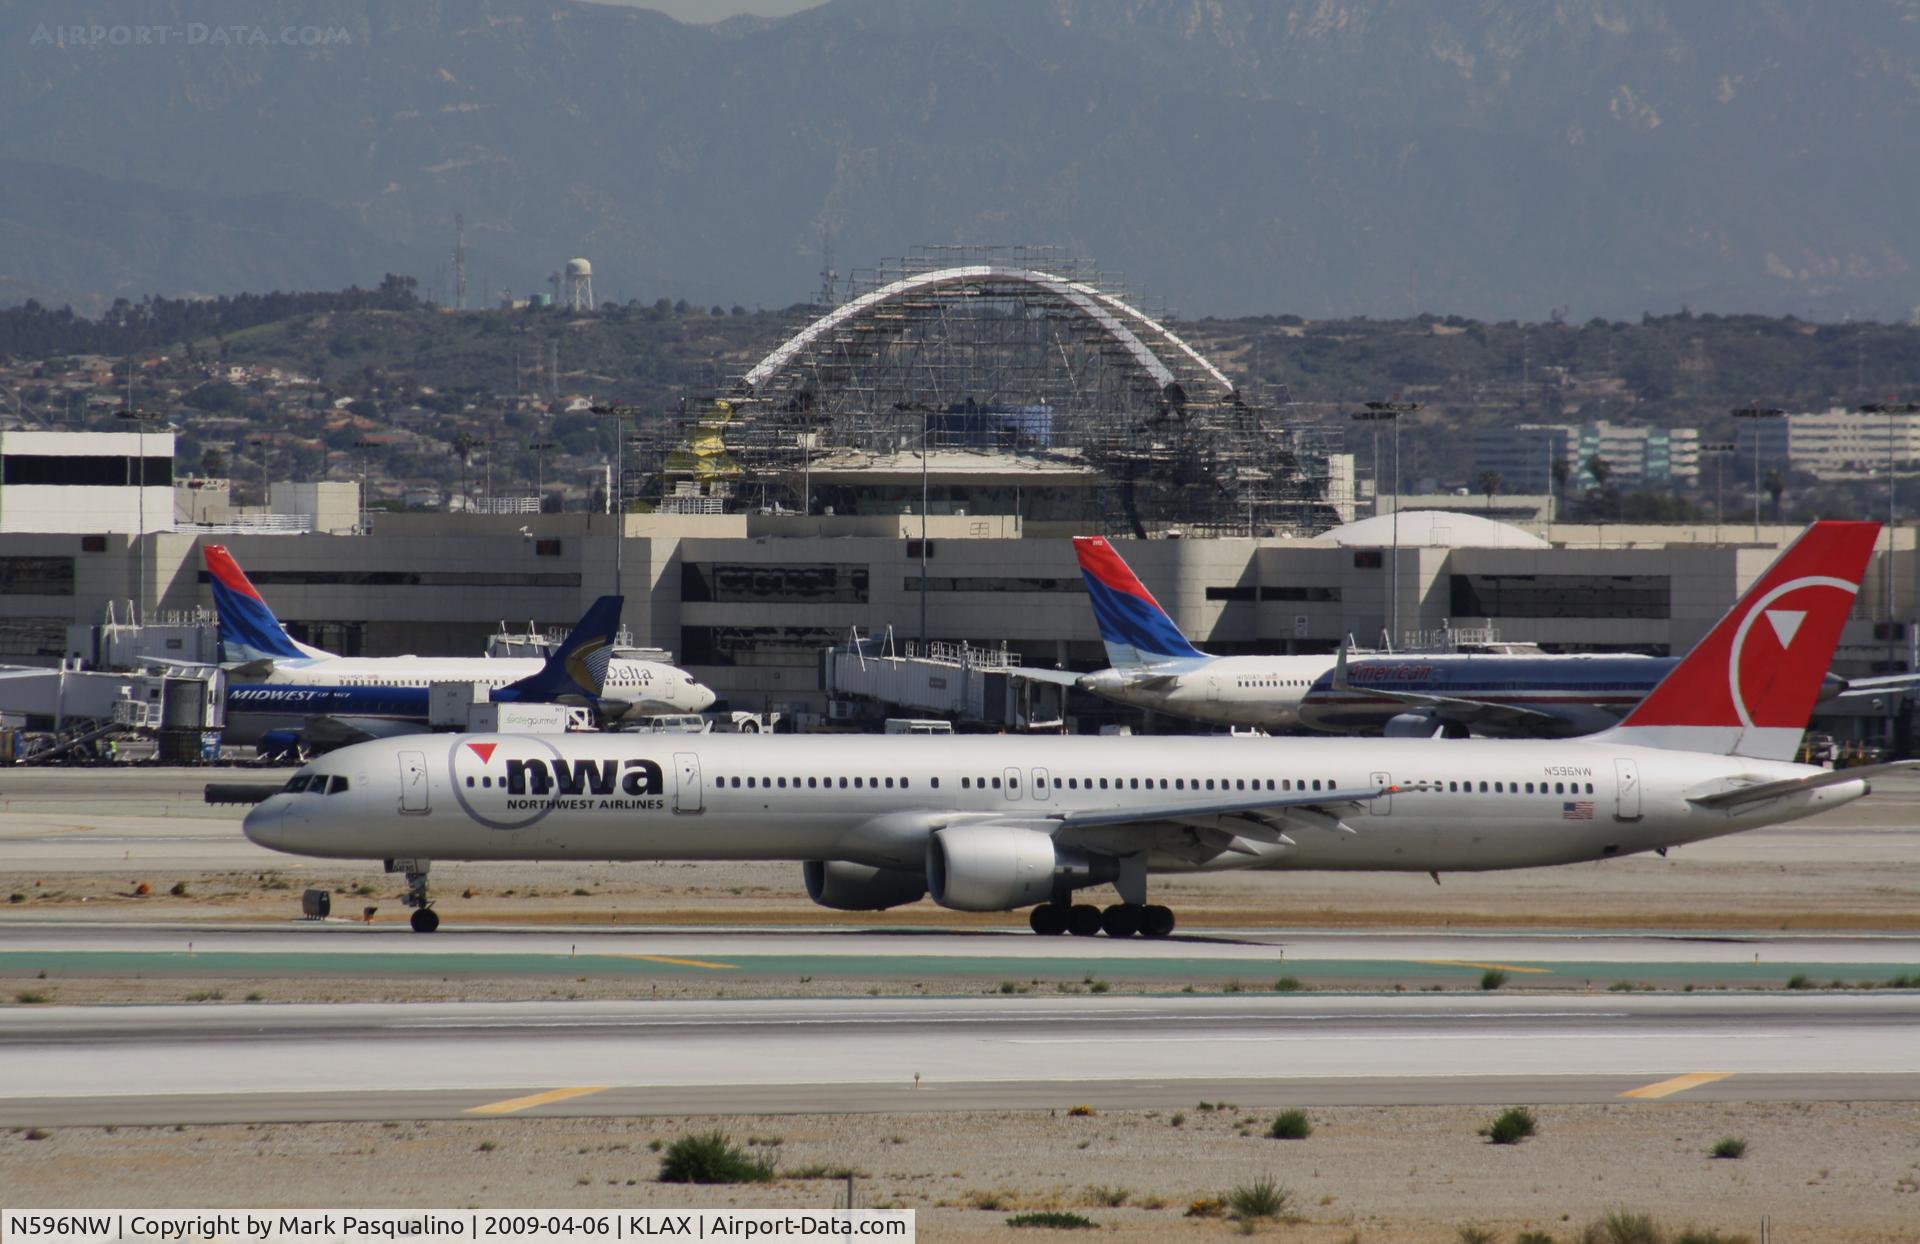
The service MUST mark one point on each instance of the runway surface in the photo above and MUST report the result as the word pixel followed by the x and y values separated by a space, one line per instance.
pixel 1345 960
pixel 233 1063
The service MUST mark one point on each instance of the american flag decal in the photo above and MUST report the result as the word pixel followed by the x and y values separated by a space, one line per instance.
pixel 1580 810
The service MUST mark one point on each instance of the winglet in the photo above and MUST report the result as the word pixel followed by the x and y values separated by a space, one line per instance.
pixel 1135 629
pixel 1748 688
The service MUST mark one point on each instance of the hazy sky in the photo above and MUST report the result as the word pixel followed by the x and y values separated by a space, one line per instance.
pixel 700 11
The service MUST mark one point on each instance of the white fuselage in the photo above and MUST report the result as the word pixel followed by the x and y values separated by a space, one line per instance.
pixel 645 686
pixel 1231 691
pixel 1464 805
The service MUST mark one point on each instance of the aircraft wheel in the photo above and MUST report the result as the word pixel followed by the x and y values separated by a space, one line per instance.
pixel 1048 920
pixel 1121 920
pixel 1156 921
pixel 425 920
pixel 1083 920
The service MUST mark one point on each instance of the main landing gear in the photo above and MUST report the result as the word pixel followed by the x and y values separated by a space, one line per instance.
pixel 1086 920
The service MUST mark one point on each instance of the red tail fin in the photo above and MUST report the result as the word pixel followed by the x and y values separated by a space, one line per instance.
pixel 1749 686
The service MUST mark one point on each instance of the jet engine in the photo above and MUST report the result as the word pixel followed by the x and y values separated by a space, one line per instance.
pixel 997 868
pixel 1414 726
pixel 859 887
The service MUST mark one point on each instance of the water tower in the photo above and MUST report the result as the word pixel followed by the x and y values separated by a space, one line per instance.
pixel 579 295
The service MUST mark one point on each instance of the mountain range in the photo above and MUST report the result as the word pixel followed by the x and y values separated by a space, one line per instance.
pixel 1503 159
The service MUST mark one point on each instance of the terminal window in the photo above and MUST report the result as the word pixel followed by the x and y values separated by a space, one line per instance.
pixel 36 576
pixel 1561 596
pixel 818 583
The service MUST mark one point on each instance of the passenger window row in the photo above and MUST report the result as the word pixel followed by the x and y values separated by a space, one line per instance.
pixel 1510 788
pixel 815 783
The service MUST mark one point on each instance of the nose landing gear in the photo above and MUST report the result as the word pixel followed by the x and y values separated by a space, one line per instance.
pixel 424 919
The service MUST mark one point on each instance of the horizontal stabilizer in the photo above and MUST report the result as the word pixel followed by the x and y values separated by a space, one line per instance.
pixel 1762 791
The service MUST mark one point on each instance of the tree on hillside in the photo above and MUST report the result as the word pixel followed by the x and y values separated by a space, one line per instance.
pixel 1601 470
pixel 1775 482
pixel 1489 484
pixel 464 443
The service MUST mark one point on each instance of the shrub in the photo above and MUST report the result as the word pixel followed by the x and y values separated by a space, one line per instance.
pixel 1288 984
pixel 1179 1117
pixel 1533 1237
pixel 823 1170
pixel 1059 1219
pixel 1799 980
pixel 38 1133
pixel 710 1158
pixel 1290 1125
pixel 1081 1112
pixel 1473 1233
pixel 487 1146
pixel 1103 1194
pixel 1623 1227
pixel 1731 1147
pixel 1206 1207
pixel 1511 1127
pixel 1263 1198
pixel 30 997
pixel 179 889
pixel 1490 980
pixel 1706 1235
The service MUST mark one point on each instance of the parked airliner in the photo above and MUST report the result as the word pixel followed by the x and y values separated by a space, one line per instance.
pixel 993 823
pixel 282 716
pixel 1401 695
pixel 251 636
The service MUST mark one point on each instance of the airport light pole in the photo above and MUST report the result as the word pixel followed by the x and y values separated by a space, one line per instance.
pixel 540 449
pixel 619 414
pixel 1756 412
pixel 1376 413
pixel 363 446
pixel 142 418
pixel 1718 451
pixel 1890 410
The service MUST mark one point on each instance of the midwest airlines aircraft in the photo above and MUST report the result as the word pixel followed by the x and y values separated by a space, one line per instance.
pixel 250 634
pixel 1401 695
pixel 282 715
pixel 988 823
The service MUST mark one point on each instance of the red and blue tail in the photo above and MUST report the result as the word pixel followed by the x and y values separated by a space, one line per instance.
pixel 248 629
pixel 1136 630
pixel 1748 688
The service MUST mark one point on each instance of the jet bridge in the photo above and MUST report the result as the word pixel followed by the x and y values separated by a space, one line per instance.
pixel 957 681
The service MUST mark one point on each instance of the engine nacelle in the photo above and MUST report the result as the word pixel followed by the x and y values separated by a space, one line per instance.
pixel 1413 726
pixel 990 868
pixel 859 887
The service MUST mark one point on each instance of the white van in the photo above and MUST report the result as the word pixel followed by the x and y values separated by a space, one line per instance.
pixel 914 725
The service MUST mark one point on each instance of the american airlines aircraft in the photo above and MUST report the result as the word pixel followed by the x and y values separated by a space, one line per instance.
pixel 991 823
pixel 1401 695
pixel 251 635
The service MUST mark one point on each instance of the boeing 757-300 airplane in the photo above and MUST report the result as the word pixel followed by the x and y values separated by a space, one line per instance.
pixel 993 823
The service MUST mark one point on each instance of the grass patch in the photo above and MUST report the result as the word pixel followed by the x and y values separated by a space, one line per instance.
pixel 1098 987
pixel 32 997
pixel 1490 980
pixel 1706 1235
pixel 1512 1127
pixel 1207 1207
pixel 1474 1233
pixel 1533 1237
pixel 1110 1196
pixel 1625 1227
pixel 1262 1198
pixel 1290 1125
pixel 206 995
pixel 1081 1112
pixel 1012 987
pixel 710 1158
pixel 1799 980
pixel 1057 1219
pixel 1288 984
pixel 823 1170
pixel 1731 1147
pixel 1179 1117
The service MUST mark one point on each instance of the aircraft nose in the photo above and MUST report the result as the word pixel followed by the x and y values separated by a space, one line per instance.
pixel 266 824
pixel 706 697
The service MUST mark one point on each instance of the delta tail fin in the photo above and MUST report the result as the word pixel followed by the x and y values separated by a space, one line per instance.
pixel 1136 630
pixel 248 629
pixel 1748 688
pixel 577 669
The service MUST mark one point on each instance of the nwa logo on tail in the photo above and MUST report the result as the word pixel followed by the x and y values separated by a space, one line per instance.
pixel 500 785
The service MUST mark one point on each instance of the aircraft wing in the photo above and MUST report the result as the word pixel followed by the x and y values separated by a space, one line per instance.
pixel 328 731
pixel 239 671
pixel 1740 796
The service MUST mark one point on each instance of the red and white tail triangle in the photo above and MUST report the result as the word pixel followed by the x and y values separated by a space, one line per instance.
pixel 1747 689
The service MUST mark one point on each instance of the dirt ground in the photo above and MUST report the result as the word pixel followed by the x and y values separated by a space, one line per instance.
pixel 1822 1172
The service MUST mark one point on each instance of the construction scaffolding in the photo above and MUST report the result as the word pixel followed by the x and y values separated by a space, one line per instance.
pixel 961 365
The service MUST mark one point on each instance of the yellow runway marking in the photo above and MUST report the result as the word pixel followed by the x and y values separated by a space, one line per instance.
pixel 514 1104
pixel 684 963
pixel 1490 967
pixel 1679 1084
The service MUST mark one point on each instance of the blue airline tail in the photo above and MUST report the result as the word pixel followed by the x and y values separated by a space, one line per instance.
pixel 1137 631
pixel 578 667
pixel 248 629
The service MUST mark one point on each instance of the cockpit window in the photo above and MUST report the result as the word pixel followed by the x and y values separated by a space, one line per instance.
pixel 336 784
pixel 295 784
